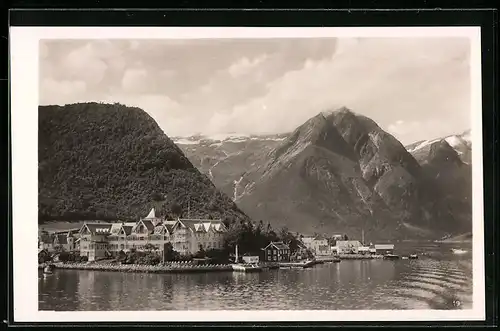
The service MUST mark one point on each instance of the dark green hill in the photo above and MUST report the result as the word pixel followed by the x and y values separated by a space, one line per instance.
pixel 103 161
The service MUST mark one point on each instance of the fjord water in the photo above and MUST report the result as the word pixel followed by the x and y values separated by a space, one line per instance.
pixel 439 279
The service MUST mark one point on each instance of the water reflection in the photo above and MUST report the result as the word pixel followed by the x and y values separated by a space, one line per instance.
pixel 358 284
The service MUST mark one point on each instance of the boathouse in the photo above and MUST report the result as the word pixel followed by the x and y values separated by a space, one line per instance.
pixel 384 248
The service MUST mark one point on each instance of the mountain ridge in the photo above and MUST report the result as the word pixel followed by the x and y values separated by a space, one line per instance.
pixel 388 171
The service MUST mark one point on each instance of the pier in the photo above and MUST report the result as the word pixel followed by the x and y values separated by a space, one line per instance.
pixel 167 268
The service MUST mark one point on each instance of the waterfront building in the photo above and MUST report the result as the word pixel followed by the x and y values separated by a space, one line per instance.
pixel 46 242
pixel 318 245
pixel 384 248
pixel 347 246
pixel 94 240
pixel 67 240
pixel 98 240
pixel 363 250
pixel 189 235
pixel 276 252
pixel 250 259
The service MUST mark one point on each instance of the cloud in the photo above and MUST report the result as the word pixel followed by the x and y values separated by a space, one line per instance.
pixel 382 79
pixel 61 92
pixel 166 112
pixel 135 81
pixel 244 65
pixel 257 86
pixel 85 64
pixel 412 131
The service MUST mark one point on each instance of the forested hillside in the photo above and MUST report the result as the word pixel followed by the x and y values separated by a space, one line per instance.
pixel 109 161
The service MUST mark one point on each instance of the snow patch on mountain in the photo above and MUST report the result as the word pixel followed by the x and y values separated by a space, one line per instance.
pixel 184 141
pixel 423 144
pixel 454 141
pixel 218 139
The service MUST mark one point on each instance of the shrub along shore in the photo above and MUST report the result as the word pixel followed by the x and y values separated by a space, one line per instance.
pixel 160 268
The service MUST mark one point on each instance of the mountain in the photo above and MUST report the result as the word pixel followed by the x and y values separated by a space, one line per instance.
pixel 111 161
pixel 461 143
pixel 226 159
pixel 446 164
pixel 338 172
pixel 341 172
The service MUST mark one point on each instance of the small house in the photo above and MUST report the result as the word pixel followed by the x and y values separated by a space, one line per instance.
pixel 348 246
pixel 318 245
pixel 276 252
pixel 364 250
pixel 384 248
pixel 250 259
pixel 46 242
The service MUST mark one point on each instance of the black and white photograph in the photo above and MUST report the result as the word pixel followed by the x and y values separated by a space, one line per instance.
pixel 330 173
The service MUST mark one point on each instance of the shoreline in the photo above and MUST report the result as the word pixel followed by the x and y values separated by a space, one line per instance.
pixel 185 267
pixel 359 257
pixel 141 268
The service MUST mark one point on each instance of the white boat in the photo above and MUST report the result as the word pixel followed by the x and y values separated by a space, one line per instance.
pixel 240 267
pixel 48 269
pixel 244 267
pixel 458 251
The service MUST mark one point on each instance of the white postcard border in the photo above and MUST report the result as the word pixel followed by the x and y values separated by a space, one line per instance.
pixel 24 51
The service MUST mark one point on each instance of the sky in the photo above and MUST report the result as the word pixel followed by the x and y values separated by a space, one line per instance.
pixel 414 88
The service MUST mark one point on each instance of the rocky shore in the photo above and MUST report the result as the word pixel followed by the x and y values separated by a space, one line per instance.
pixel 161 268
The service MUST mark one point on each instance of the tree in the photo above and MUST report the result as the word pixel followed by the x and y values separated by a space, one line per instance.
pixel 169 253
pixel 201 253
pixel 157 196
pixel 149 247
pixel 176 209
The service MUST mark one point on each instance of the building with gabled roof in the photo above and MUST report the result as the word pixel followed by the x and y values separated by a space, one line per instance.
pixel 99 239
pixel 276 251
pixel 46 241
pixel 189 235
pixel 318 245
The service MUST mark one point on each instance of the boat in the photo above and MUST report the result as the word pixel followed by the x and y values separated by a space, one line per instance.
pixel 244 267
pixel 413 256
pixel 458 251
pixel 391 257
pixel 49 269
pixel 305 264
pixel 240 267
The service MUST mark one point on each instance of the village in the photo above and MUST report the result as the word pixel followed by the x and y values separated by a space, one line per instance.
pixel 99 240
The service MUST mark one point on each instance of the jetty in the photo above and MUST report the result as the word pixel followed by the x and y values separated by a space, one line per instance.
pixel 174 267
pixel 360 256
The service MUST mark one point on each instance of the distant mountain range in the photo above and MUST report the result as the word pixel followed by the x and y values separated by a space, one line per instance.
pixel 338 172
pixel 341 172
